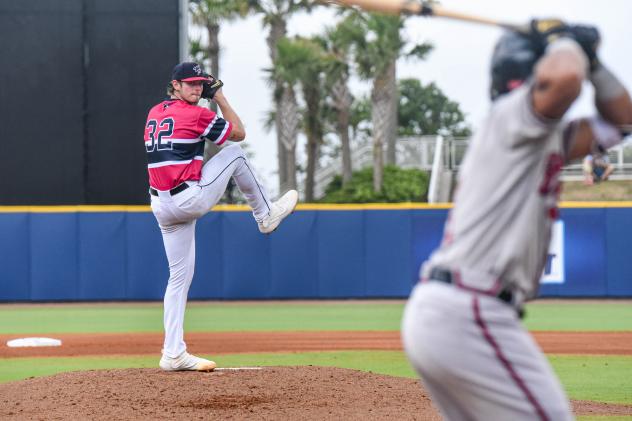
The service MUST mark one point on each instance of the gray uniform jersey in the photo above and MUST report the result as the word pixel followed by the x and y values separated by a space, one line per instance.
pixel 498 232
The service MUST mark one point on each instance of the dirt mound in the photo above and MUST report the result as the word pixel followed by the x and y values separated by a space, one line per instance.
pixel 270 393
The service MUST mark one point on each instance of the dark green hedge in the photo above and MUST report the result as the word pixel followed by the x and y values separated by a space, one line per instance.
pixel 400 185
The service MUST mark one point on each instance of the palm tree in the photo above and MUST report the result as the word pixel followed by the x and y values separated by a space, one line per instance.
pixel 337 42
pixel 284 76
pixel 376 55
pixel 210 14
pixel 275 15
pixel 310 62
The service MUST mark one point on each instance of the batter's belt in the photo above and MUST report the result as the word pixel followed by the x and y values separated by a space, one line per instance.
pixel 446 276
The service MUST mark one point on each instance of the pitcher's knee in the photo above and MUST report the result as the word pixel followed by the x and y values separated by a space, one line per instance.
pixel 234 150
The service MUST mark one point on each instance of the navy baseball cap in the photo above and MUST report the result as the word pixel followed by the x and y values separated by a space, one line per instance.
pixel 188 72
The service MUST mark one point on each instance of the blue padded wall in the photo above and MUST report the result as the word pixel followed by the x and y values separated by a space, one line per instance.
pixel 74 256
pixel 54 240
pixel 15 255
pixel 209 266
pixel 147 268
pixel 427 229
pixel 388 254
pixel 246 257
pixel 294 257
pixel 619 253
pixel 585 254
pixel 341 266
pixel 102 256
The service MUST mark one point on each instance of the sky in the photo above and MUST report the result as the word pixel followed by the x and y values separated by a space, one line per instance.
pixel 459 63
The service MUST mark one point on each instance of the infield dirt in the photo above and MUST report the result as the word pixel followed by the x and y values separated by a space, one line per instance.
pixel 612 343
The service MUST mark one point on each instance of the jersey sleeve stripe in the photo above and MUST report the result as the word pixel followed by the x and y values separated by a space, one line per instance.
pixel 209 127
pixel 225 133
pixel 218 131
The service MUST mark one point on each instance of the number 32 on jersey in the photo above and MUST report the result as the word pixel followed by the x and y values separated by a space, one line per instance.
pixel 158 133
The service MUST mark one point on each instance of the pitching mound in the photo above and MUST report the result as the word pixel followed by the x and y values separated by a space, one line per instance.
pixel 271 393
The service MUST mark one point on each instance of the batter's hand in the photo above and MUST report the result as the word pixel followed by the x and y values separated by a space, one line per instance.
pixel 211 87
pixel 589 39
pixel 545 31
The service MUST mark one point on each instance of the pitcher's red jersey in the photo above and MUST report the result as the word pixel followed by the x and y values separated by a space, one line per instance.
pixel 174 141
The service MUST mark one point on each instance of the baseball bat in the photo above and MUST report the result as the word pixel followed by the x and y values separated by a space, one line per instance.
pixel 424 8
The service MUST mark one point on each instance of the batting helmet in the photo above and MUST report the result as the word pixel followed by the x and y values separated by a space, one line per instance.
pixel 513 59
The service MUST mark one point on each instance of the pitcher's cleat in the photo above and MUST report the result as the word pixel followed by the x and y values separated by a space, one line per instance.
pixel 186 362
pixel 280 209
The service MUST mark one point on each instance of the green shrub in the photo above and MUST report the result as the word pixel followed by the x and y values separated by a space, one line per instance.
pixel 400 185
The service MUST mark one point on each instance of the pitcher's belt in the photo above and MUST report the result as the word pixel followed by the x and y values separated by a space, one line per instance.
pixel 177 189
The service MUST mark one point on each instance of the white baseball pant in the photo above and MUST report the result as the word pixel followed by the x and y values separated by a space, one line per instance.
pixel 177 215
pixel 476 359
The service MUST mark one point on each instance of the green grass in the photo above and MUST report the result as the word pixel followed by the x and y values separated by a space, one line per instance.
pixel 12 369
pixel 596 378
pixel 285 316
pixel 203 317
pixel 611 190
pixel 579 316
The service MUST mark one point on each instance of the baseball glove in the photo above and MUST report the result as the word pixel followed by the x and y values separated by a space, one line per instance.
pixel 211 87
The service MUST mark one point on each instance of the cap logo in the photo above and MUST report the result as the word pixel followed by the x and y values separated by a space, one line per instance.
pixel 514 83
pixel 197 69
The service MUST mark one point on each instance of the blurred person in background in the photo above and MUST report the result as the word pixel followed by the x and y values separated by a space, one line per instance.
pixel 597 168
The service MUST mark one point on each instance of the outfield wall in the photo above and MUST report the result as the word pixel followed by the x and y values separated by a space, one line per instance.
pixel 349 251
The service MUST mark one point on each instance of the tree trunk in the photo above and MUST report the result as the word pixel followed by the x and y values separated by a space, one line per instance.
pixel 313 141
pixel 312 152
pixel 380 108
pixel 342 104
pixel 213 53
pixel 288 119
pixel 278 29
pixel 213 47
pixel 314 132
pixel 391 158
pixel 290 156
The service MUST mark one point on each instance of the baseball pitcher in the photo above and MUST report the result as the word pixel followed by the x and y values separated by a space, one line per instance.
pixel 182 189
pixel 461 328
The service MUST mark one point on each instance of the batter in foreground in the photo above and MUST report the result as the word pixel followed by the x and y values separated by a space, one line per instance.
pixel 182 189
pixel 461 328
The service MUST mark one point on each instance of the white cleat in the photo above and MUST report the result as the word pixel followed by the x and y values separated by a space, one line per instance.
pixel 280 209
pixel 186 362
